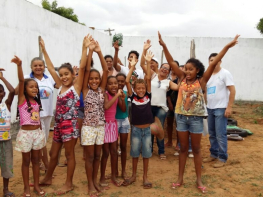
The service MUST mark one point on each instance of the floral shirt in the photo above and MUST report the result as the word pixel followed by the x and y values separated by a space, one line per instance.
pixel 67 105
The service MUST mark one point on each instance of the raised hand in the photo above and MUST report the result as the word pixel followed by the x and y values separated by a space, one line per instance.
pixel 16 60
pixel 161 42
pixel 149 56
pixel 42 44
pixel 133 62
pixel 116 45
pixel 147 45
pixel 92 45
pixel 97 47
pixel 87 40
pixel 233 42
pixel 75 69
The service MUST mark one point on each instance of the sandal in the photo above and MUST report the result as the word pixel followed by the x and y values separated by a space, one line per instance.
pixel 42 193
pixel 9 194
pixel 127 182
pixel 26 195
pixel 60 192
pixel 176 185
pixel 147 185
pixel 162 156
pixel 117 183
pixel 202 189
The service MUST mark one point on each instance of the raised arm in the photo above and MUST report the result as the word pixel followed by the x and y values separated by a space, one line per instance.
pixel 87 72
pixel 107 103
pixel 170 59
pixel 86 42
pixel 217 58
pixel 115 58
pixel 103 63
pixel 121 102
pixel 21 96
pixel 50 65
pixel 148 59
pixel 10 88
pixel 128 77
pixel 146 46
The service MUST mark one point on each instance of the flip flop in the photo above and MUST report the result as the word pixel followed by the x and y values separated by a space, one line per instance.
pixel 127 182
pixel 9 194
pixel 93 194
pixel 42 193
pixel 117 183
pixel 176 185
pixel 26 195
pixel 60 192
pixel 202 189
pixel 147 185
pixel 104 184
pixel 162 157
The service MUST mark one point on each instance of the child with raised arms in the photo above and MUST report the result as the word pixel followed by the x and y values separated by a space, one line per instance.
pixel 92 133
pixel 30 138
pixel 66 129
pixel 6 147
pixel 190 108
pixel 113 97
pixel 142 118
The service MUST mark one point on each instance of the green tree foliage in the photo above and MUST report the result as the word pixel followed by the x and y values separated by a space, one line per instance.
pixel 62 11
pixel 260 26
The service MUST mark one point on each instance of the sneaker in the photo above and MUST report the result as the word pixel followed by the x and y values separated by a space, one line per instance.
pixel 209 159
pixel 190 155
pixel 219 164
pixel 176 153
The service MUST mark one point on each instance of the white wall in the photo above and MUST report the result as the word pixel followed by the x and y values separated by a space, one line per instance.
pixel 21 23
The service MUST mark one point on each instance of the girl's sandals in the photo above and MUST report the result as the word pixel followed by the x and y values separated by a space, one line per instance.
pixel 42 193
pixel 162 156
pixel 176 185
pixel 26 195
pixel 202 189
pixel 147 185
pixel 117 183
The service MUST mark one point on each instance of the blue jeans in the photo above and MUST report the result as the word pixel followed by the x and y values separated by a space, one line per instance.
pixel 161 114
pixel 217 124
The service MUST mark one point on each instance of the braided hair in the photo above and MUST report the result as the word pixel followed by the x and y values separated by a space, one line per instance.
pixel 37 98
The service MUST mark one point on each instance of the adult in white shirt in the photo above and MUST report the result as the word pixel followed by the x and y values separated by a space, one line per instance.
pixel 220 98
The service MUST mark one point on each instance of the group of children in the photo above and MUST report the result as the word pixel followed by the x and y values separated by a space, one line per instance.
pixel 105 117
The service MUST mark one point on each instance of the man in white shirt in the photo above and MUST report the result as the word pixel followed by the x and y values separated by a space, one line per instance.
pixel 220 98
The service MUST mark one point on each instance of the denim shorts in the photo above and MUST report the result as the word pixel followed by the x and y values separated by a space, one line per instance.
pixel 141 142
pixel 193 124
pixel 123 125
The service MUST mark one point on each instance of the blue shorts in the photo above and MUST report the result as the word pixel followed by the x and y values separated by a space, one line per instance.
pixel 123 125
pixel 193 124
pixel 141 142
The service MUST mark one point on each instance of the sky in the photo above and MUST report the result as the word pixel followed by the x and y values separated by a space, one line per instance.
pixel 188 18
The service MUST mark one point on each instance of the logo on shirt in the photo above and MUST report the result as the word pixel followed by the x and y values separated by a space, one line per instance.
pixel 2 117
pixel 44 94
pixel 211 90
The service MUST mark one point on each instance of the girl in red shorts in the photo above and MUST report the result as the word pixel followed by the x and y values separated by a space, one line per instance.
pixel 66 130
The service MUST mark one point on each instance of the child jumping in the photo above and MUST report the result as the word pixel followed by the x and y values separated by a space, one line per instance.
pixel 142 118
pixel 66 129
pixel 92 133
pixel 190 108
pixel 30 138
pixel 113 97
pixel 6 147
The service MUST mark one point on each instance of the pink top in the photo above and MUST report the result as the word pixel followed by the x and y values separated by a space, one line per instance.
pixel 29 117
pixel 111 112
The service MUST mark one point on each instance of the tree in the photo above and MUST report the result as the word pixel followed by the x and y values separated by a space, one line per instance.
pixel 62 11
pixel 260 26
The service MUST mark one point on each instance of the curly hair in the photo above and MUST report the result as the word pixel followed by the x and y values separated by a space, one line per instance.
pixel 37 98
pixel 197 64
pixel 140 81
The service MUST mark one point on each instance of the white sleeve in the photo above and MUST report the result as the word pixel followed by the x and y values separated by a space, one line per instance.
pixel 124 70
pixel 228 79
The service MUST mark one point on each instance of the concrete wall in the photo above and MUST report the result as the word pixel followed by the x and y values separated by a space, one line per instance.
pixel 21 23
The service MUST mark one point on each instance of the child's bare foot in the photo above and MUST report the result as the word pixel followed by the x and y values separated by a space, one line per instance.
pixel 129 181
pixel 45 182
pixel 63 190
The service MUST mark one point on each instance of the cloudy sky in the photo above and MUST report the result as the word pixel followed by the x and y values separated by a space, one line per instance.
pixel 193 18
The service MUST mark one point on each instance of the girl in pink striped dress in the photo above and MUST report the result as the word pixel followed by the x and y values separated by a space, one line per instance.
pixel 113 96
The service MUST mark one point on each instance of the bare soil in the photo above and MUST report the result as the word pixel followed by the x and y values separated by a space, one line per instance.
pixel 242 175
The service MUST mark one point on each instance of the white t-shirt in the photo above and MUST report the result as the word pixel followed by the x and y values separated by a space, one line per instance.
pixel 159 90
pixel 217 91
pixel 125 70
pixel 46 89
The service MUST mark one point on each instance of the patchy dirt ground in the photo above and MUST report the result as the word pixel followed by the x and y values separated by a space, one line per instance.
pixel 242 176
